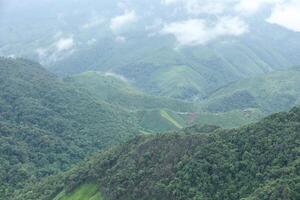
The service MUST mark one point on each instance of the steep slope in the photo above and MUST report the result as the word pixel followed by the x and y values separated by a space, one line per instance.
pixel 255 162
pixel 46 125
pixel 274 92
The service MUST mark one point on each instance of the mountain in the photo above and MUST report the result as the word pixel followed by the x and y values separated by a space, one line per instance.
pixel 274 92
pixel 46 125
pixel 258 161
pixel 154 66
pixel 188 54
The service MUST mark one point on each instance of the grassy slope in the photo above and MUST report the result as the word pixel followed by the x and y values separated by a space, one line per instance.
pixel 231 119
pixel 165 115
pixel 84 192
pixel 154 121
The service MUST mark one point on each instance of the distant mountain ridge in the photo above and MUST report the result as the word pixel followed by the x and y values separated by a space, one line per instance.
pixel 273 92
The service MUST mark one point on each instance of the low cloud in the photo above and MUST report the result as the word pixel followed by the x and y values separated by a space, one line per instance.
pixel 118 76
pixel 287 15
pixel 64 44
pixel 58 50
pixel 199 32
pixel 120 21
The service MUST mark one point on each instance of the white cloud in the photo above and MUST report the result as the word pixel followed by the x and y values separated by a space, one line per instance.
pixel 64 44
pixel 249 6
pixel 169 2
pixel 41 52
pixel 119 22
pixel 245 7
pixel 208 7
pixel 287 15
pixel 198 32
pixel 196 7
pixel 57 50
pixel 252 6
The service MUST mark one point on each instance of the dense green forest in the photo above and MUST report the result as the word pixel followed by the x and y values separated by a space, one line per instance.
pixel 49 124
pixel 46 125
pixel 254 162
pixel 149 100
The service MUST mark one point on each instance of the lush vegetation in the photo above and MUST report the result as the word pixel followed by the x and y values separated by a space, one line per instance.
pixel 133 110
pixel 254 162
pixel 86 191
pixel 46 125
pixel 274 92
pixel 157 114
pixel 118 91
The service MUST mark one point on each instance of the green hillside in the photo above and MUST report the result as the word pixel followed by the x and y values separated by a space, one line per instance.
pixel 255 162
pixel 117 91
pixel 230 119
pixel 46 126
pixel 274 92
pixel 84 192
pixel 156 114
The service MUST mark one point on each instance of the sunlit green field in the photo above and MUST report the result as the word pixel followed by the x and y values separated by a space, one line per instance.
pixel 84 192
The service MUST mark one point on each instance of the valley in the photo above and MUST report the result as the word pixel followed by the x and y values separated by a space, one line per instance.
pixel 149 100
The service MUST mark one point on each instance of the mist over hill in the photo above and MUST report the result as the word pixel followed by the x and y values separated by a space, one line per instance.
pixel 182 49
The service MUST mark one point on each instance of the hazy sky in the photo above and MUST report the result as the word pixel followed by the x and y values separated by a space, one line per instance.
pixel 190 22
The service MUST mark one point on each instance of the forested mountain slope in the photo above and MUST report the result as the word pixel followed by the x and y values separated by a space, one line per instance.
pixel 274 92
pixel 46 125
pixel 255 162
pixel 154 66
